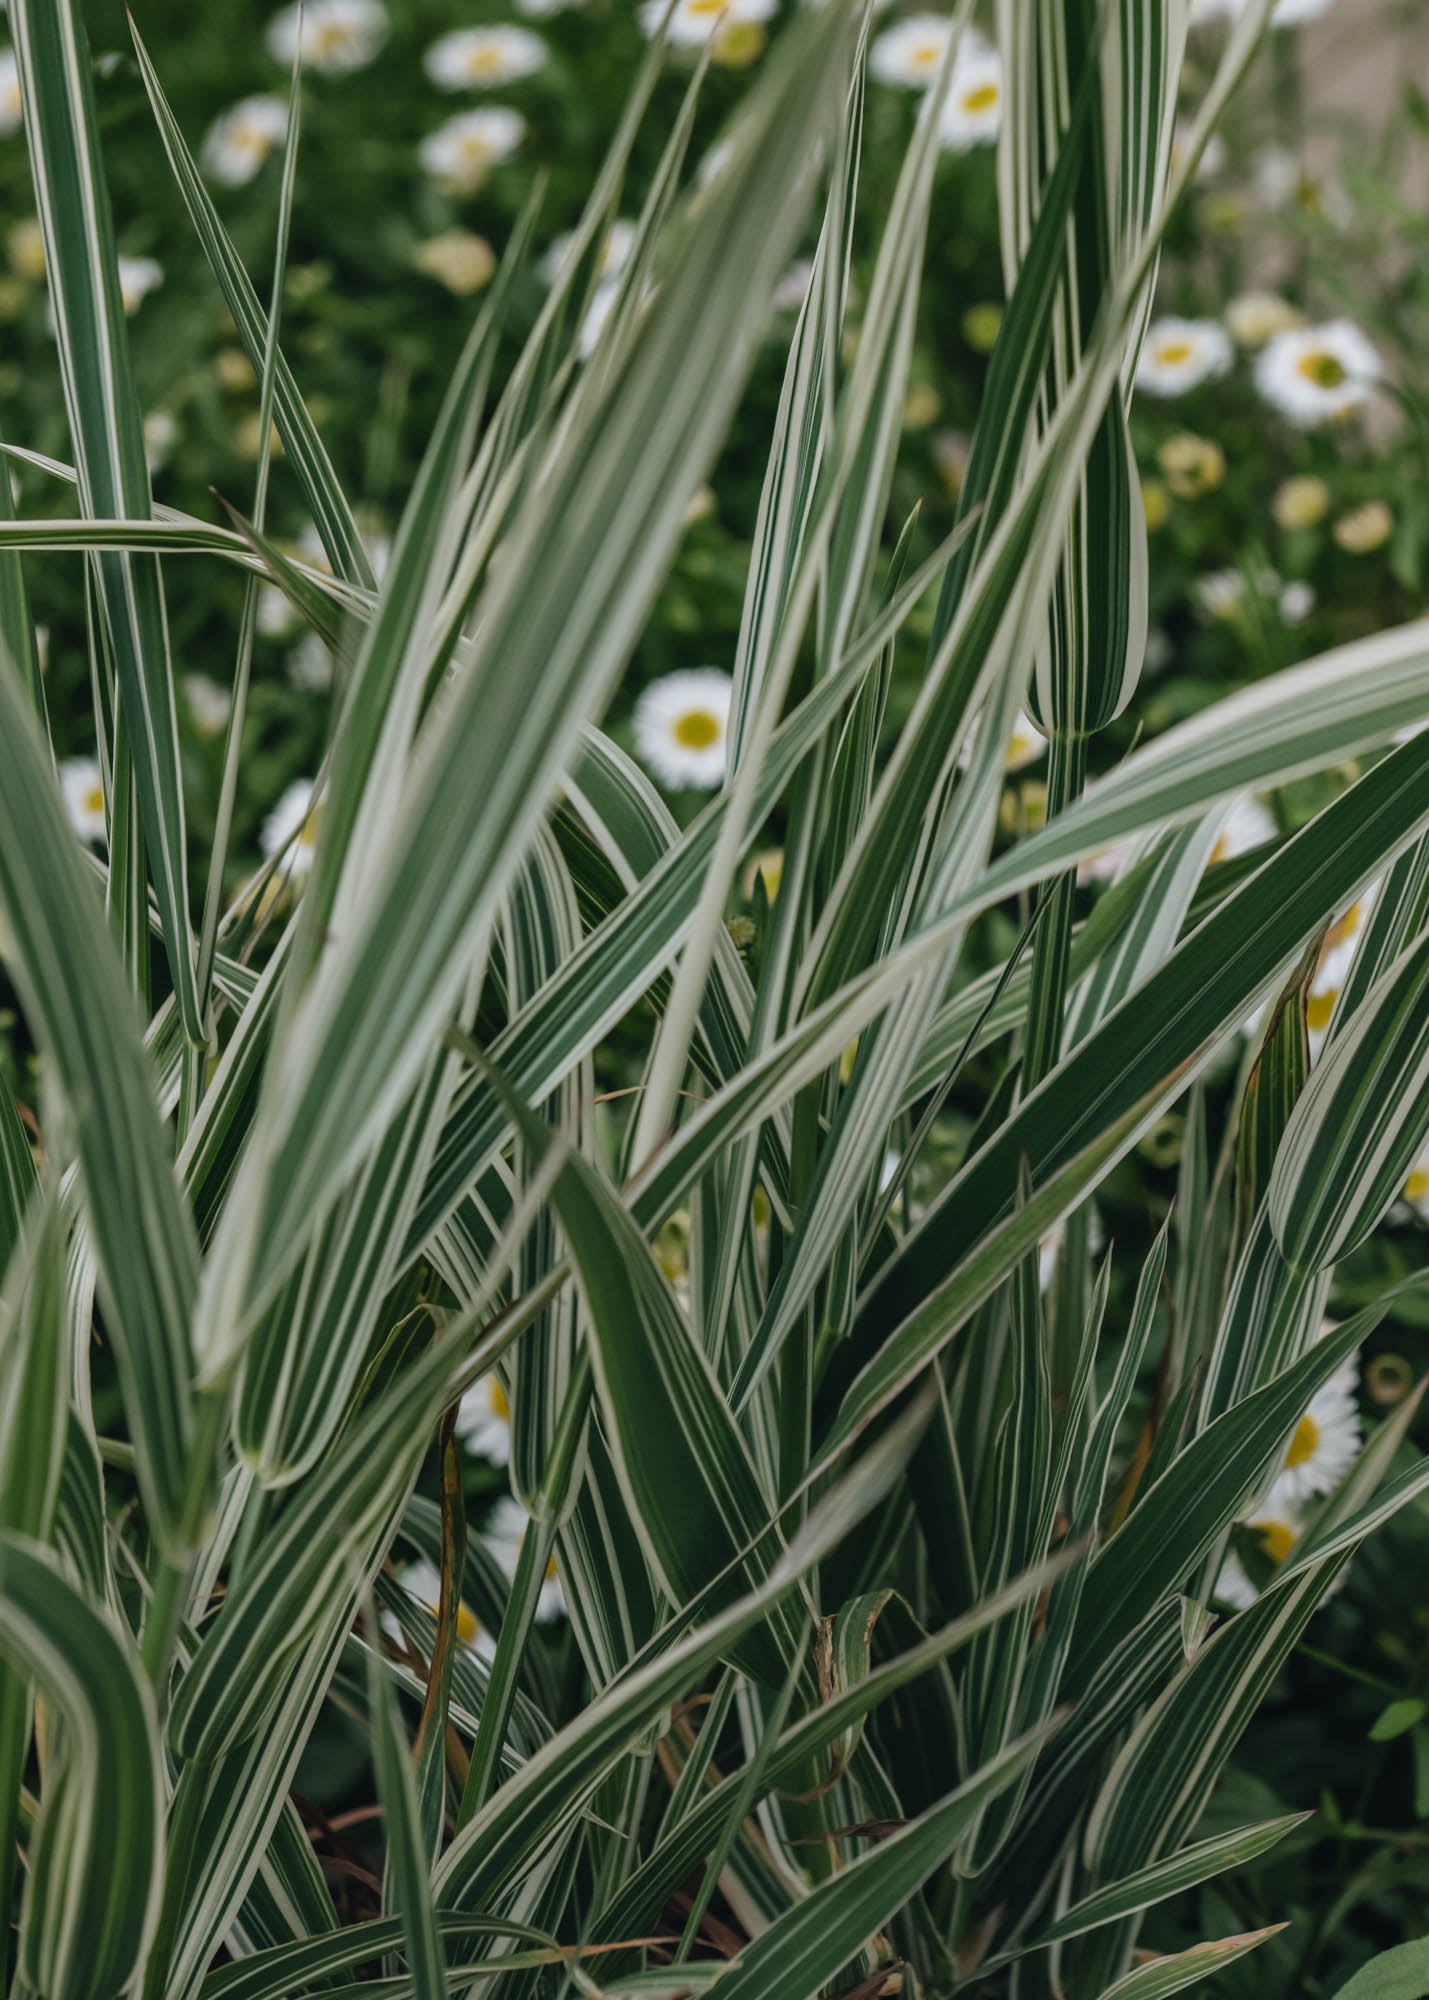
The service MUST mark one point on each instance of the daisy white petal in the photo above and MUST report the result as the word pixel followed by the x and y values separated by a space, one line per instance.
pixel 83 787
pixel 291 829
pixel 333 37
pixel 681 725
pixel 10 107
pixel 461 151
pixel 692 22
pixel 972 110
pixel 1316 374
pixel 483 1420
pixel 1178 355
pixel 503 1534
pixel 484 58
pixel 240 139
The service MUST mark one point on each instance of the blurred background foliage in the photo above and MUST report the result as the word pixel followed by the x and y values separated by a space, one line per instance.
pixel 1269 543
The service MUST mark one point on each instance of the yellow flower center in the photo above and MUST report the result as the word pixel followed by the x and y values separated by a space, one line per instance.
pixel 1304 1444
pixel 1325 370
pixel 705 8
pixel 484 60
pixel 696 729
pixel 499 1405
pixel 331 39
pixel 475 150
pixel 550 1569
pixel 981 99
pixel 466 1623
pixel 94 801
pixel 1172 352
pixel 1319 1007
pixel 1417 1186
pixel 927 55
pixel 1278 1537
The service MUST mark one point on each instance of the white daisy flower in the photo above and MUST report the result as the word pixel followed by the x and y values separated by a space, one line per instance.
pixel 1278 1523
pixel 1256 317
pixel 422 1580
pixel 160 432
pixel 483 58
pixel 1108 864
pixel 1284 180
pixel 83 787
pixel 209 704
pixel 291 830
pixel 602 300
pixel 461 151
pixel 1025 745
pixel 540 10
pixel 337 36
pixel 276 615
pixel 692 22
pixel 614 251
pixel 505 1527
pixel 483 1420
pixel 1221 593
pixel 1297 601
pixel 1332 971
pixel 1325 1443
pixel 681 724
pixel 1180 354
pixel 138 276
pixel 911 52
pixel 1248 824
pixel 972 110
pixel 240 139
pixel 10 106
pixel 309 666
pixel 1315 374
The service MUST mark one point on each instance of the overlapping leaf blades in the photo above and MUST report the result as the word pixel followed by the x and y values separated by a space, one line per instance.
pixel 714 1459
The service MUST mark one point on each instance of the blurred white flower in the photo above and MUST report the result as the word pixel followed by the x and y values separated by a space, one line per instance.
pixel 160 431
pixel 1180 354
pixel 972 110
pixel 602 299
pixel 291 830
pixel 1025 745
pixel 11 110
pixel 422 1581
pixel 461 151
pixel 310 665
pixel 83 787
pixel 1108 864
pixel 1317 374
pixel 911 52
pixel 692 22
pixel 614 251
pixel 138 276
pixel 1333 968
pixel 337 36
pixel 681 725
pixel 209 704
pixel 1297 601
pixel 503 1533
pixel 483 1420
pixel 1248 824
pixel 240 139
pixel 539 10
pixel 1221 593
pixel 1255 317
pixel 1284 180
pixel 276 614
pixel 483 58
pixel 1416 1187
